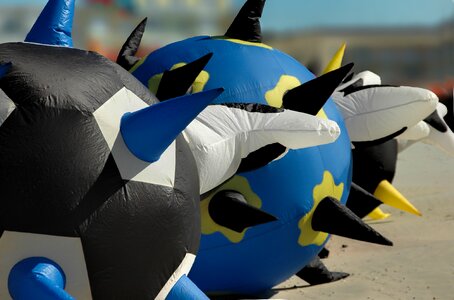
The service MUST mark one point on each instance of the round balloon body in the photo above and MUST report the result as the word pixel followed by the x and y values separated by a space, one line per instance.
pixel 290 187
pixel 66 174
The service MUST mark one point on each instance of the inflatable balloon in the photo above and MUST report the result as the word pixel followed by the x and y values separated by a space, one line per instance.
pixel 294 187
pixel 82 211
pixel 303 189
pixel 102 190
pixel 76 194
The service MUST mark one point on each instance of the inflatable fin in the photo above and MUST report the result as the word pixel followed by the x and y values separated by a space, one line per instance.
pixel 261 157
pixel 361 202
pixel 230 209
pixel 332 217
pixel 312 95
pixel 5 68
pixel 187 290
pixel 380 140
pixel 246 26
pixel 126 58
pixel 317 273
pixel 54 24
pixel 336 61
pixel 389 195
pixel 175 83
pixel 37 278
pixel 246 128
pixel 149 131
pixel 436 122
pixel 377 214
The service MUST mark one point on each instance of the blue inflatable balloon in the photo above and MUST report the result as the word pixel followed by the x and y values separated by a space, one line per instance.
pixel 289 188
pixel 303 189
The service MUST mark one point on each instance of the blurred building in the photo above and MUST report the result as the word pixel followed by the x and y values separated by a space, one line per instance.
pixel 16 21
pixel 103 25
pixel 400 56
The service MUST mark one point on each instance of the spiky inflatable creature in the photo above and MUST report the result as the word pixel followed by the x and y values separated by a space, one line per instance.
pixel 303 189
pixel 69 171
pixel 101 191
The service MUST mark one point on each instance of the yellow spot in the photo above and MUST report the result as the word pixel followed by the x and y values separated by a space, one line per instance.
pixel 336 61
pixel 274 97
pixel 197 86
pixel 236 41
pixel 237 183
pixel 326 188
pixel 286 82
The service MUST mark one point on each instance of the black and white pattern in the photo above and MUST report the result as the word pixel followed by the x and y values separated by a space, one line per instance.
pixel 62 176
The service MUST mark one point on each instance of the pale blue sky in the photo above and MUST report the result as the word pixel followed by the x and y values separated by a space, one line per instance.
pixel 300 14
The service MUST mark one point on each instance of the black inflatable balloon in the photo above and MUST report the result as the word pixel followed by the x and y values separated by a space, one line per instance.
pixel 59 175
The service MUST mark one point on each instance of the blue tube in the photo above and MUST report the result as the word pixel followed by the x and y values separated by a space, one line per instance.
pixel 37 278
pixel 185 289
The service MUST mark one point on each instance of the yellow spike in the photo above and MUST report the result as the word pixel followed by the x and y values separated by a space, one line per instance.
pixel 389 195
pixel 378 214
pixel 336 61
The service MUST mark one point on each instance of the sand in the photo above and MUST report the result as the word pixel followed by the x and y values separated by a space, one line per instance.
pixel 420 265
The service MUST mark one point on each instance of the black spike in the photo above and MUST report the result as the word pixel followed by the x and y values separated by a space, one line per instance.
pixel 317 273
pixel 175 83
pixel 246 26
pixel 436 121
pixel 332 217
pixel 310 97
pixel 261 157
pixel 348 77
pixel 361 202
pixel 230 209
pixel 324 253
pixel 126 58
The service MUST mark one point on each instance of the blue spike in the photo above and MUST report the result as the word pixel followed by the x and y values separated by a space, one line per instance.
pixel 187 290
pixel 149 131
pixel 5 68
pixel 37 278
pixel 54 24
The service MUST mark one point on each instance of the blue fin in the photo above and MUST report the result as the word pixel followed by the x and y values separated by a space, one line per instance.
pixel 37 278
pixel 185 289
pixel 54 24
pixel 149 131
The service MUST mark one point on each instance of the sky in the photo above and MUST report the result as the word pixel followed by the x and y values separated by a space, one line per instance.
pixel 301 14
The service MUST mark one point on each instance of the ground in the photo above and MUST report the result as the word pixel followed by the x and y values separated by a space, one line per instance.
pixel 420 265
